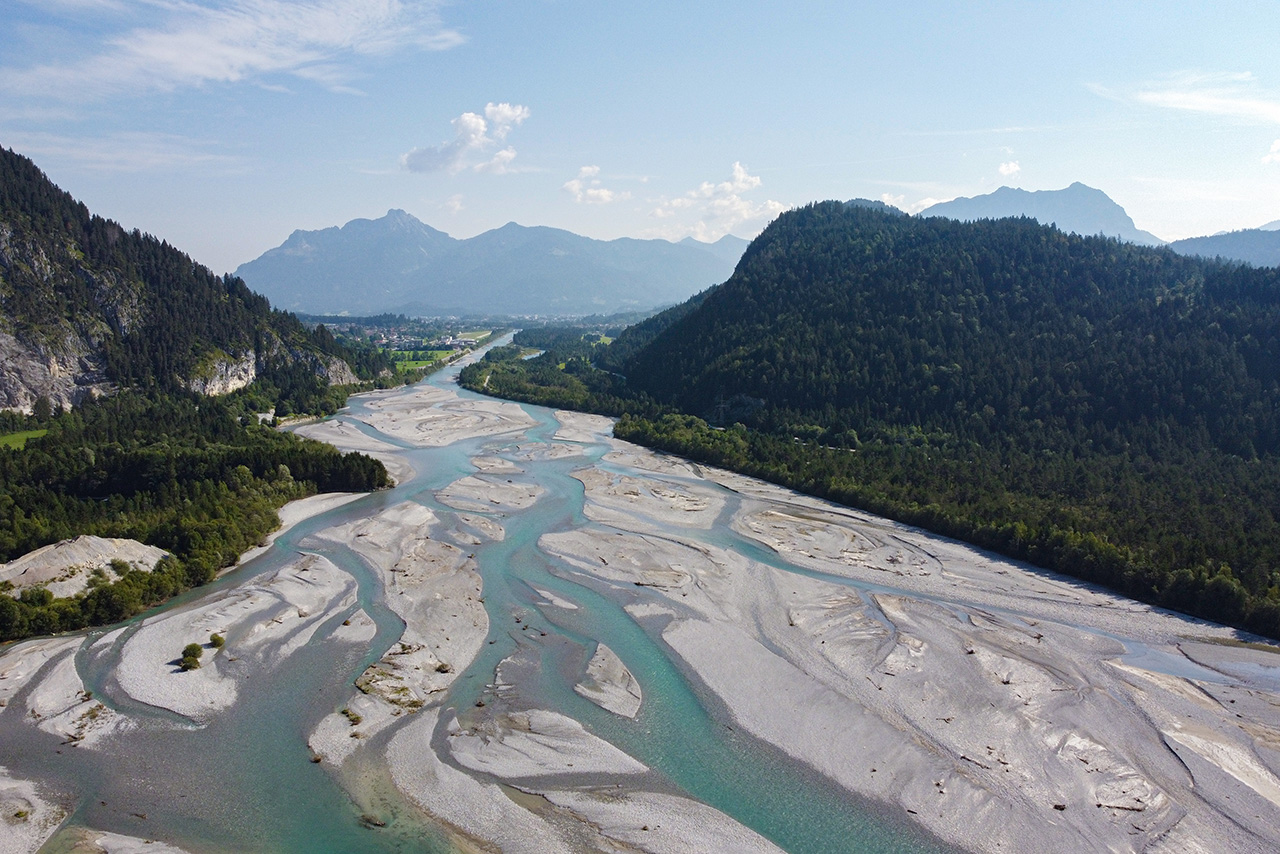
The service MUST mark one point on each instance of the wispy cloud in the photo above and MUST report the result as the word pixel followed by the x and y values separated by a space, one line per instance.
pixel 1274 155
pixel 474 137
pixel 1236 95
pixel 587 188
pixel 717 208
pixel 900 202
pixel 186 43
pixel 125 152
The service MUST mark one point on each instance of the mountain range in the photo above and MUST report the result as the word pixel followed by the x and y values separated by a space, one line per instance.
pixel 1077 208
pixel 1257 246
pixel 1087 211
pixel 398 263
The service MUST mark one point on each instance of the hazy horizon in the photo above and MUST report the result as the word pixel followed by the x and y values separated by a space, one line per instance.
pixel 225 125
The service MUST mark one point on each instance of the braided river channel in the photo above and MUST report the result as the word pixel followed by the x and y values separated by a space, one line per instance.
pixel 543 639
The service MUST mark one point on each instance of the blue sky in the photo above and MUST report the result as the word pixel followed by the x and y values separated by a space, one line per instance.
pixel 223 125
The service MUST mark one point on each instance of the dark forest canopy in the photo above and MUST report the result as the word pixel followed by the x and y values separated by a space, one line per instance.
pixel 1102 409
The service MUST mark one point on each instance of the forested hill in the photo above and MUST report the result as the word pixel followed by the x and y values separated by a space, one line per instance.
pixel 1002 331
pixel 1101 409
pixel 86 305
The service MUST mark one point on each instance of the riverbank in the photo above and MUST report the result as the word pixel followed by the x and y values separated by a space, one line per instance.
pixel 999 707
pixel 994 702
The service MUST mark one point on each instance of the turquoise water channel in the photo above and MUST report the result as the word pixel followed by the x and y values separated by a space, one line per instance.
pixel 246 782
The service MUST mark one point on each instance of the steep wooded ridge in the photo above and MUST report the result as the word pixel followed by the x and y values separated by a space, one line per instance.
pixel 87 306
pixel 1099 408
pixel 167 366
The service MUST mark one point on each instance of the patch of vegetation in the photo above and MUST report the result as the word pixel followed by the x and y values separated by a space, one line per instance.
pixel 191 656
pixel 19 439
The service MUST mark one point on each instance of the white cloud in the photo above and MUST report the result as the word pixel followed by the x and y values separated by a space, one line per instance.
pixel 453 204
pixel 718 207
pixel 125 152
pixel 1274 155
pixel 1010 169
pixel 900 202
pixel 504 117
pixel 500 164
pixel 586 189
pixel 474 136
pixel 1233 94
pixel 164 45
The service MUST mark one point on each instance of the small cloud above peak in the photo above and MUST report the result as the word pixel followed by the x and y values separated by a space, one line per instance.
pixel 474 136
pixel 718 207
pixel 587 188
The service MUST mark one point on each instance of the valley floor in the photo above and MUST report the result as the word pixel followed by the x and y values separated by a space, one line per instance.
pixel 998 707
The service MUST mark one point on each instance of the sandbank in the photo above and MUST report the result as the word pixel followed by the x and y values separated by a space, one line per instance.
pixel 263 621
pixel 995 702
pixel 300 511
pixel 488 493
pixel 65 568
pixel 609 684
pixel 26 819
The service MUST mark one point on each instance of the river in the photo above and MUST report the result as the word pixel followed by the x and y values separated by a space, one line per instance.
pixel 246 779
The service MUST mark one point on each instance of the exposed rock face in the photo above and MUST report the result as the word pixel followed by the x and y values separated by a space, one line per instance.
pixel 227 374
pixel 67 372
pixel 338 372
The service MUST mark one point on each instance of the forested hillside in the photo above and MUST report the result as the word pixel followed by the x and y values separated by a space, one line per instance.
pixel 1102 409
pixel 86 305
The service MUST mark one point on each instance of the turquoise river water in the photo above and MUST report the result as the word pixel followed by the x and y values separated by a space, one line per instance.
pixel 246 782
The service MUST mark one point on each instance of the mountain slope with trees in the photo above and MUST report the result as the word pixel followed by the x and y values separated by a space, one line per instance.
pixel 1102 409
pixel 1257 246
pixel 87 306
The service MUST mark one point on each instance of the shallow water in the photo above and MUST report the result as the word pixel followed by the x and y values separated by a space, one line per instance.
pixel 245 782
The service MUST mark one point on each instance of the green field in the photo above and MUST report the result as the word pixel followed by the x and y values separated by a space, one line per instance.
pixel 433 356
pixel 19 440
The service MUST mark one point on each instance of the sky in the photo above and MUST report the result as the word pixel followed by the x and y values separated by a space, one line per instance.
pixel 224 125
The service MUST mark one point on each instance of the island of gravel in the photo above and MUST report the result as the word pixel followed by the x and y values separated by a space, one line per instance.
pixel 1001 707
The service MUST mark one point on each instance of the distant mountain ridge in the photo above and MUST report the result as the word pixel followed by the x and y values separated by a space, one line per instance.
pixel 398 263
pixel 1077 208
pixel 1257 246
